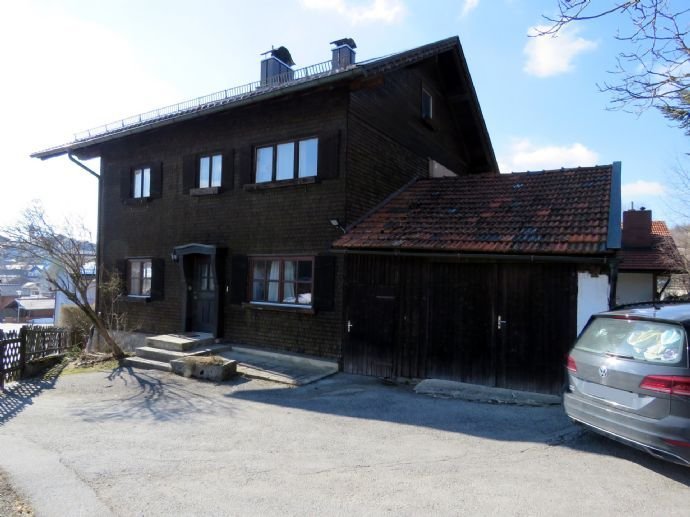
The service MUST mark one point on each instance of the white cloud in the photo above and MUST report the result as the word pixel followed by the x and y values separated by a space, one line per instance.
pixel 386 11
pixel 642 188
pixel 552 55
pixel 468 6
pixel 523 155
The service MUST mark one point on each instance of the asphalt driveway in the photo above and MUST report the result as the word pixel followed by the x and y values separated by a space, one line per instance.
pixel 128 442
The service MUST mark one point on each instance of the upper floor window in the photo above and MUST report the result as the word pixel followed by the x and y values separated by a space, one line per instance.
pixel 427 105
pixel 287 160
pixel 287 280
pixel 140 273
pixel 141 182
pixel 210 171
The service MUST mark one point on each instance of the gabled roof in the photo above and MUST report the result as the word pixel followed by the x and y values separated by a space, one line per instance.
pixel 299 80
pixel 661 256
pixel 561 212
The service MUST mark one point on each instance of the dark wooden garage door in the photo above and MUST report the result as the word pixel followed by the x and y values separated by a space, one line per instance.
pixel 441 320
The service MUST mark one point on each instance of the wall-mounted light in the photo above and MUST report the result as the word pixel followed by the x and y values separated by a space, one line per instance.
pixel 336 224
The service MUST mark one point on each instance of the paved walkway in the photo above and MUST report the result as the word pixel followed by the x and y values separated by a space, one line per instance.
pixel 292 369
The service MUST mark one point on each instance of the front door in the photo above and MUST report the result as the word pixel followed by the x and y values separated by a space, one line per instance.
pixel 202 294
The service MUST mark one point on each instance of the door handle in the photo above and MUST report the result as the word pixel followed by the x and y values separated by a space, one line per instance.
pixel 349 326
pixel 500 322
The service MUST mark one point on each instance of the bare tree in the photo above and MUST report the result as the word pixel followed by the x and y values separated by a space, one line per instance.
pixel 654 71
pixel 67 250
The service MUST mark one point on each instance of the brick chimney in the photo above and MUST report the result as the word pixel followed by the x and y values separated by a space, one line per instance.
pixel 637 228
pixel 276 67
pixel 343 53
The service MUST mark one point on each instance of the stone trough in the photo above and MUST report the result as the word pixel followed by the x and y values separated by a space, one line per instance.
pixel 212 367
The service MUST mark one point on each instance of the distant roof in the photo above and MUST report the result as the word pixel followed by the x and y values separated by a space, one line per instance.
pixel 9 289
pixel 560 212
pixel 300 79
pixel 662 256
pixel 36 304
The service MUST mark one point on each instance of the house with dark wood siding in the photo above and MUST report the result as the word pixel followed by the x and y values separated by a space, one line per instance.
pixel 221 215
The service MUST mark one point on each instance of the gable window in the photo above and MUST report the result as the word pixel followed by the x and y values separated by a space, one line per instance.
pixel 427 105
pixel 287 160
pixel 140 272
pixel 210 171
pixel 282 280
pixel 141 182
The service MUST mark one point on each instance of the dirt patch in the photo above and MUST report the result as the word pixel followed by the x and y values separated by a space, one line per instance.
pixel 90 362
pixel 11 503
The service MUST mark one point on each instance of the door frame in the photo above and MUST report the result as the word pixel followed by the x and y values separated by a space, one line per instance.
pixel 183 255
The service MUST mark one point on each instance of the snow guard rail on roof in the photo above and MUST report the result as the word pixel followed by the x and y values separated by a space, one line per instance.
pixel 213 99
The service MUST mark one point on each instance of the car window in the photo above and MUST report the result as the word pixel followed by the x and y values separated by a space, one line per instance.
pixel 647 341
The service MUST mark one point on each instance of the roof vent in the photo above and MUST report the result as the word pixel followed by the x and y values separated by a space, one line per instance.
pixel 343 53
pixel 276 67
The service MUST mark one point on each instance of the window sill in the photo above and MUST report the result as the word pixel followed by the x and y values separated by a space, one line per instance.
pixel 279 307
pixel 205 191
pixel 137 201
pixel 282 183
pixel 137 298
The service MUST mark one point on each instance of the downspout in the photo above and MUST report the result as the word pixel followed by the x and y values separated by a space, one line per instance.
pixel 613 241
pixel 98 225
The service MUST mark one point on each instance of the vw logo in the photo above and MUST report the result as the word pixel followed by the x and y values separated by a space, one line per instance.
pixel 603 371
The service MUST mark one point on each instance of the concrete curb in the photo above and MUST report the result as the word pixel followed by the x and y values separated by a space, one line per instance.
pixel 474 392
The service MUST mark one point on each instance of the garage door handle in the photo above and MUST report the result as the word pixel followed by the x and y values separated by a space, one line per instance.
pixel 500 322
pixel 349 326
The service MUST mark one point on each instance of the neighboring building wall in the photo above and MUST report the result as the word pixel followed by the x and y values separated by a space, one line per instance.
pixel 592 296
pixel 634 287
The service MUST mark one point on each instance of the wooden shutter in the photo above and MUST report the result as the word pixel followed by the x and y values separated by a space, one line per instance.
pixel 324 282
pixel 121 269
pixel 125 184
pixel 244 165
pixel 329 146
pixel 156 180
pixel 228 178
pixel 238 283
pixel 157 278
pixel 189 173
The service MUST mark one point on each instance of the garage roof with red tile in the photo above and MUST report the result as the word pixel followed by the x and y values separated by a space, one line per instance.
pixel 558 212
pixel 662 256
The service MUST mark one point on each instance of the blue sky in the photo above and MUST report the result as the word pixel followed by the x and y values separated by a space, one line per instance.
pixel 75 64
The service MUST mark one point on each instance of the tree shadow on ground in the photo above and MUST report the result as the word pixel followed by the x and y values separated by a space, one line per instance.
pixel 161 399
pixel 367 398
pixel 17 396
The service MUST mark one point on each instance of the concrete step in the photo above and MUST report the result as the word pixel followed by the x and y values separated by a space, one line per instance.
pixel 147 364
pixel 179 342
pixel 158 354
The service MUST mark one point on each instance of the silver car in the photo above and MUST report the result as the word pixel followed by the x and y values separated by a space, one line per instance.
pixel 629 379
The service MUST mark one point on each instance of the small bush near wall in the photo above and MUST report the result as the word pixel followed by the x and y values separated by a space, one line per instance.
pixel 75 320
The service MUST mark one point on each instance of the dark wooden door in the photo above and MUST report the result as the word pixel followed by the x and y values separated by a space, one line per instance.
pixel 202 294
pixel 536 306
pixel 461 332
pixel 371 322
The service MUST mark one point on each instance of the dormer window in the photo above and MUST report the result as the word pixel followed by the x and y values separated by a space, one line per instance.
pixel 210 171
pixel 427 105
pixel 287 160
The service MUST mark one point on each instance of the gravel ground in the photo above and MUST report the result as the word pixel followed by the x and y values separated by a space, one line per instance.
pixel 126 442
pixel 11 503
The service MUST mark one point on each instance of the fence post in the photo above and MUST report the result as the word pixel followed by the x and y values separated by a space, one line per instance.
pixel 22 351
pixel 3 345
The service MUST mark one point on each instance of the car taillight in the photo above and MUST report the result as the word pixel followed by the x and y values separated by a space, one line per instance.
pixel 571 364
pixel 671 384
pixel 677 443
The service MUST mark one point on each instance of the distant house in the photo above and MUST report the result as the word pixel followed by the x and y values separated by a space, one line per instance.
pixel 648 258
pixel 8 294
pixel 89 272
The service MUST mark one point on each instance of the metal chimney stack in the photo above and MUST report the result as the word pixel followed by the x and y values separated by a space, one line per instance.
pixel 276 68
pixel 343 53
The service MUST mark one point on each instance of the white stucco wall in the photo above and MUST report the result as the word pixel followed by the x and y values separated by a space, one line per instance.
pixel 635 287
pixel 592 297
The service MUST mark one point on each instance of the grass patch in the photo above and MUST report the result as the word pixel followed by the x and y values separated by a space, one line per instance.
pixel 87 363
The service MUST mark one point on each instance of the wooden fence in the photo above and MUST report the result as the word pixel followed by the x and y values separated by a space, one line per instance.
pixel 29 344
